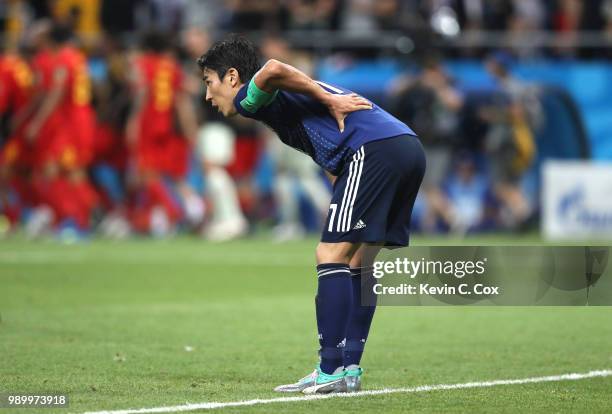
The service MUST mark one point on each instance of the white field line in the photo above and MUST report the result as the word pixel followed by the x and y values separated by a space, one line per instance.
pixel 422 388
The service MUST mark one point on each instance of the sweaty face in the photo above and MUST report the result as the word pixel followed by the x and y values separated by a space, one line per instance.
pixel 221 92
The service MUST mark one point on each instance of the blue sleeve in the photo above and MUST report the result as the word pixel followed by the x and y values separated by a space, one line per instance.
pixel 242 93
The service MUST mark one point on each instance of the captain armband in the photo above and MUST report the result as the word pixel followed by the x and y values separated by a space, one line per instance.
pixel 256 98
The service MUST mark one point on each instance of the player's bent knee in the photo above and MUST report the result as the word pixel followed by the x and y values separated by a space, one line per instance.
pixel 364 255
pixel 335 252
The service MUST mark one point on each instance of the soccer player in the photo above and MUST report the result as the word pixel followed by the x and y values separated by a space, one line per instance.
pixel 43 65
pixel 65 123
pixel 16 81
pixel 159 98
pixel 376 163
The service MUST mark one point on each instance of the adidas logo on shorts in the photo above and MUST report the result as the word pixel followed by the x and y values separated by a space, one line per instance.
pixel 360 224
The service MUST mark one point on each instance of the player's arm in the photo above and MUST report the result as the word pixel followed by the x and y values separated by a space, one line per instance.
pixel 20 117
pixel 49 103
pixel 26 112
pixel 275 75
pixel 36 100
pixel 139 96
pixel 186 112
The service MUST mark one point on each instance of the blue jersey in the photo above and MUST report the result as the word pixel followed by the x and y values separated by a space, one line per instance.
pixel 306 125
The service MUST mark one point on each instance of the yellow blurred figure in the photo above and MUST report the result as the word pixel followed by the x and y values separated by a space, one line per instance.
pixel 14 21
pixel 87 23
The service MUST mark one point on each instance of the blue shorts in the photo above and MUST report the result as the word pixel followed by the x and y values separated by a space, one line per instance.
pixel 374 194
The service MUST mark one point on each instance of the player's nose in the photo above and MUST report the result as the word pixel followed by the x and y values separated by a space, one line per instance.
pixel 208 95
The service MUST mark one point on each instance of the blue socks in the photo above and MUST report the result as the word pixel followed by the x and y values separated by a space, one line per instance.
pixel 342 321
pixel 361 316
pixel 334 302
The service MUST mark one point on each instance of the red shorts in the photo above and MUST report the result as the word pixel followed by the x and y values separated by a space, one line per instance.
pixel 167 156
pixel 109 147
pixel 44 149
pixel 75 144
pixel 247 156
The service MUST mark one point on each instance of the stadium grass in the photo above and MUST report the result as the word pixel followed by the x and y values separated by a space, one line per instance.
pixel 137 324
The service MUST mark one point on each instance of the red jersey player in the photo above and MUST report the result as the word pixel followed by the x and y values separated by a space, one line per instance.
pixel 40 145
pixel 158 148
pixel 63 129
pixel 159 98
pixel 15 93
pixel 16 82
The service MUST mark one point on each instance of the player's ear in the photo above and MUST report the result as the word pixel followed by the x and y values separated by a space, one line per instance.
pixel 234 79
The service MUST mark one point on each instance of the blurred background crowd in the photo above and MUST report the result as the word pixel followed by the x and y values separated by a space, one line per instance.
pixel 105 129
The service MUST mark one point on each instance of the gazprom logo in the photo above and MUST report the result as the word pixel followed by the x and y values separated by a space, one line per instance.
pixel 573 208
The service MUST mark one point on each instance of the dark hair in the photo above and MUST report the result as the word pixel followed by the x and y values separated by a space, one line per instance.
pixel 60 34
pixel 155 41
pixel 232 52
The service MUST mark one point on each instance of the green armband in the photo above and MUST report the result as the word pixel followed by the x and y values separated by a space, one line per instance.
pixel 256 98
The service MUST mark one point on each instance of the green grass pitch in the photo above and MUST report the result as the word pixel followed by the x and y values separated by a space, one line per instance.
pixel 140 324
